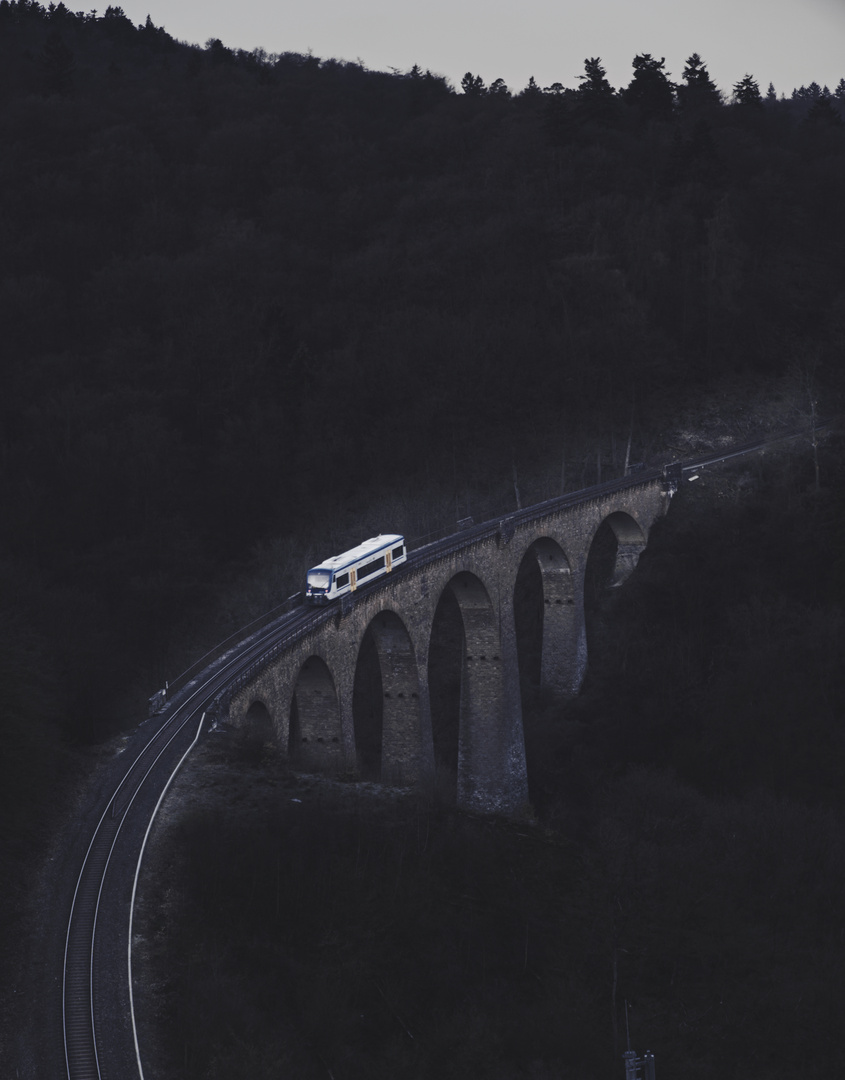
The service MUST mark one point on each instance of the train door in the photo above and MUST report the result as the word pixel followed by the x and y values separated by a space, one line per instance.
pixel 388 560
pixel 353 579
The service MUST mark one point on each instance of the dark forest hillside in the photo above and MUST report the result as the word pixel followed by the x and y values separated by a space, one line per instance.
pixel 239 290
pixel 257 306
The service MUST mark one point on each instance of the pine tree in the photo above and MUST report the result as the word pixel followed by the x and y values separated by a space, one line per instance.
pixel 151 31
pixel 650 89
pixel 823 113
pixel 746 93
pixel 596 98
pixel 532 91
pixel 698 91
pixel 594 80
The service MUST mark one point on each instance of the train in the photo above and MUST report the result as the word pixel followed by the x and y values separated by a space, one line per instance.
pixel 360 565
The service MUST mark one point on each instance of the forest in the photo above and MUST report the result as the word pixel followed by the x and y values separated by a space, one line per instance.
pixel 259 306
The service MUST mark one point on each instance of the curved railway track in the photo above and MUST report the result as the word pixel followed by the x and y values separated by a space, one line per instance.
pixel 85 989
pixel 95 984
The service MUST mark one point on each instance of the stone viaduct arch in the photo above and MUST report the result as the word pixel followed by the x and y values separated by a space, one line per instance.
pixel 387 723
pixel 422 672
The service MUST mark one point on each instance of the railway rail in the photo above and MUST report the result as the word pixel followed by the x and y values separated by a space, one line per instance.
pixel 91 982
pixel 84 989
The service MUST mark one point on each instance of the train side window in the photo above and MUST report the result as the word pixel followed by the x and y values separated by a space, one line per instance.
pixel 398 552
pixel 342 581
pixel 370 568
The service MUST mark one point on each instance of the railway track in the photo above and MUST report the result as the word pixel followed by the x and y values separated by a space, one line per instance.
pixel 90 985
pixel 86 990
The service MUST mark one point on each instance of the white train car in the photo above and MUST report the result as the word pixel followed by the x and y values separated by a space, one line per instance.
pixel 358 566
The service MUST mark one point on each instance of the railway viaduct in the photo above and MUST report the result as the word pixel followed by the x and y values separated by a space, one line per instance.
pixel 420 673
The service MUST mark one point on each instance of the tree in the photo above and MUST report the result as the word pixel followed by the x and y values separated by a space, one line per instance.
pixel 218 52
pixel 152 32
pixel 823 113
pixel 57 13
pixel 698 91
pixel 532 91
pixel 594 80
pixel 805 97
pixel 595 98
pixel 116 24
pixel 746 93
pixel 473 85
pixel 650 90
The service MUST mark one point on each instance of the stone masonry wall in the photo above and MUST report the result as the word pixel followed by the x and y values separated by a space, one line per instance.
pixel 319 670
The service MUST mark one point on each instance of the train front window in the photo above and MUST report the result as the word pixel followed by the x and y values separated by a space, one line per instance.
pixel 319 579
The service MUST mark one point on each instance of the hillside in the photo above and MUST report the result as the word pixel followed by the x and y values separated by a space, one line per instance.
pixel 250 298
pixel 256 307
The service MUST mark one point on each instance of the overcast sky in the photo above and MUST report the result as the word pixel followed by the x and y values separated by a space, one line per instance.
pixel 786 42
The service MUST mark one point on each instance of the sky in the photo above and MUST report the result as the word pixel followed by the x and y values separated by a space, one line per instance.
pixel 789 43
